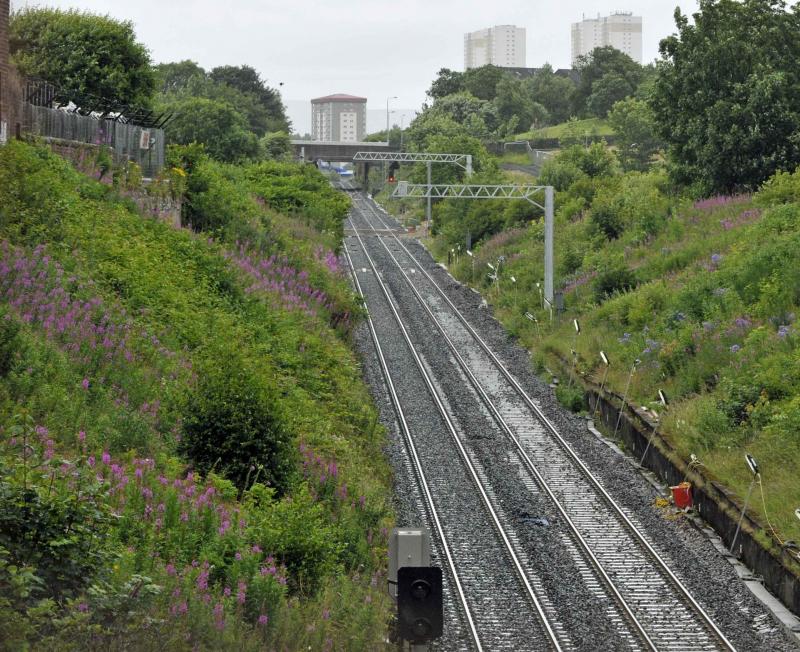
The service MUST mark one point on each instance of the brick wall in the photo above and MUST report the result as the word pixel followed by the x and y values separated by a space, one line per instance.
pixel 5 84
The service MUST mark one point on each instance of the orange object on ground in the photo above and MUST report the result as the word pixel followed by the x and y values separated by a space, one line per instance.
pixel 682 495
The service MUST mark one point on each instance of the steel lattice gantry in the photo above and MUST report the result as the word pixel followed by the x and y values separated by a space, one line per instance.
pixel 462 160
pixel 509 191
pixel 469 191
pixel 429 158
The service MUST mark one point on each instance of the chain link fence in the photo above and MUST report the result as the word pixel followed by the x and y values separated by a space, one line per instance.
pixel 127 142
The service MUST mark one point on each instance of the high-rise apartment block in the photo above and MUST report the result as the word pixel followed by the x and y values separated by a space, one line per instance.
pixel 339 118
pixel 621 30
pixel 502 45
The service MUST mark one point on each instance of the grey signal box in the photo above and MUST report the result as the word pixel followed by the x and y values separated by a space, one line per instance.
pixel 407 547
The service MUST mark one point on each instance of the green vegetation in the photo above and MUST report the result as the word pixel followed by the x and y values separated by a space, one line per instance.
pixel 588 127
pixel 727 94
pixel 188 456
pixel 56 45
pixel 229 109
pixel 492 104
pixel 704 293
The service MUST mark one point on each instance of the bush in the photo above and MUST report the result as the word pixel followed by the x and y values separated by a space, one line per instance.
pixel 571 398
pixel 61 538
pixel 232 425
pixel 613 279
pixel 781 188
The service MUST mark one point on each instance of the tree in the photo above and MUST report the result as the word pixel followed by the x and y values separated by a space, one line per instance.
pixel 553 92
pixel 247 81
pixel 176 77
pixel 276 145
pixel 447 82
pixel 513 101
pixel 726 98
pixel 217 125
pixel 482 82
pixel 634 126
pixel 607 91
pixel 596 65
pixel 86 55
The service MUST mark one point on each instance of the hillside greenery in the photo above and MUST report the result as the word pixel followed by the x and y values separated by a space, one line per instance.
pixel 675 248
pixel 87 55
pixel 188 456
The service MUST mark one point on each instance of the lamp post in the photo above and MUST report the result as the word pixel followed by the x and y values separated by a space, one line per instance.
pixel 393 97
pixel 402 126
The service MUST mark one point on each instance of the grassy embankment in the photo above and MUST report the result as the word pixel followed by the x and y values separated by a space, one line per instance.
pixel 188 456
pixel 587 127
pixel 705 293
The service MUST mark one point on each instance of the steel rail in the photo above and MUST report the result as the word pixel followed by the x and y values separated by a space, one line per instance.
pixel 412 449
pixel 553 639
pixel 564 445
pixel 598 567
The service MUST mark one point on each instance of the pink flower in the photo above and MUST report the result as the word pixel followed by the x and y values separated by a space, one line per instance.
pixel 85 383
pixel 263 619
pixel 227 591
pixel 83 607
pixel 106 458
pixel 90 461
pixel 81 436
pixel 238 556
pixel 170 568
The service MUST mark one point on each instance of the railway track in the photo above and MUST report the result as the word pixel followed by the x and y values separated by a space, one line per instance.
pixel 490 594
pixel 644 601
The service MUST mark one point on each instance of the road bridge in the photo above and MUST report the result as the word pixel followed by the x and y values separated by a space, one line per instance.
pixel 315 150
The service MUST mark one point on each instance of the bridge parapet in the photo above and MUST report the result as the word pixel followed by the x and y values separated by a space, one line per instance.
pixel 313 150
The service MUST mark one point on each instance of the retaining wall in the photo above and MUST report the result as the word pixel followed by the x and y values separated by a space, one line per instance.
pixel 711 500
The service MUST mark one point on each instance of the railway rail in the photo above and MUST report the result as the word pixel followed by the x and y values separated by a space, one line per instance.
pixel 647 603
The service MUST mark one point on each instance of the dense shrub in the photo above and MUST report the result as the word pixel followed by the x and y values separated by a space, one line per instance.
pixel 613 279
pixel 232 425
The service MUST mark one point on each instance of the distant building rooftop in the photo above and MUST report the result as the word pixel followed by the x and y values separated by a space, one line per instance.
pixel 339 97
pixel 522 73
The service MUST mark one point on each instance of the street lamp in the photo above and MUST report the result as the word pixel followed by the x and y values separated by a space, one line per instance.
pixel 393 97
pixel 402 126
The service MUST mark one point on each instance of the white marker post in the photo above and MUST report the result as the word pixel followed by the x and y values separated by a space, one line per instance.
pixel 607 364
pixel 625 394
pixel 753 466
pixel 662 398
pixel 530 317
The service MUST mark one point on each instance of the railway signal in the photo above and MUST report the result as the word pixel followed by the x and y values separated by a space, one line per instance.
pixel 419 603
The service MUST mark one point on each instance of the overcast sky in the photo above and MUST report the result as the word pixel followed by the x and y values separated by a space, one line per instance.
pixel 371 48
